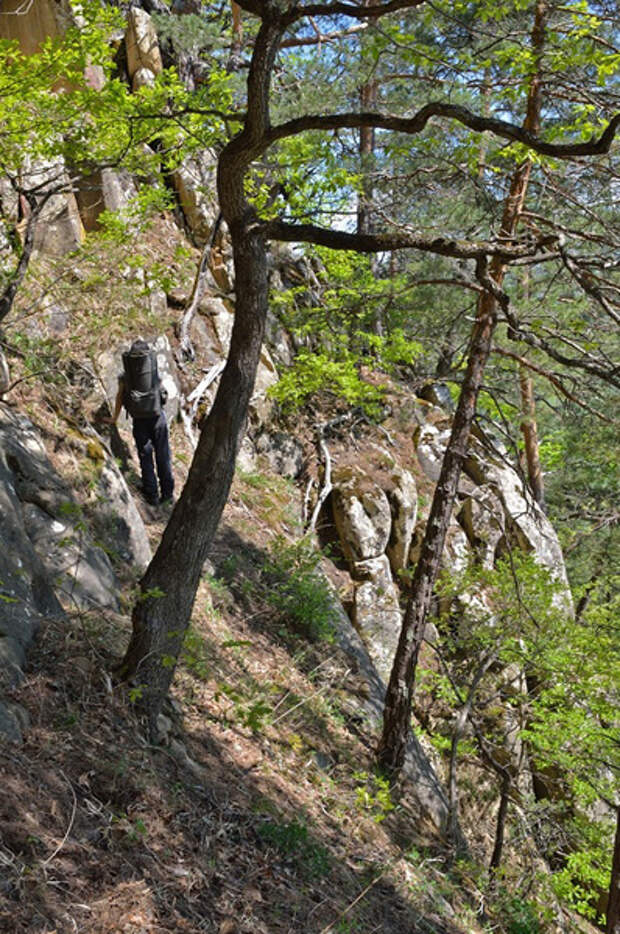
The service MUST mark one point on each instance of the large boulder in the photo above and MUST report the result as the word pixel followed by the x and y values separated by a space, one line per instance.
pixel 82 573
pixel 431 442
pixel 421 779
pixel 402 496
pixel 79 571
pixel 195 185
pixel 283 453
pixel 125 529
pixel 362 514
pixel 527 527
pixel 59 229
pixel 141 43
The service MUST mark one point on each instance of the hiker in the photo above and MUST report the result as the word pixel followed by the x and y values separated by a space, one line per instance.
pixel 143 396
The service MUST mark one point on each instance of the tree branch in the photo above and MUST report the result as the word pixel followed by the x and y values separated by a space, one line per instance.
pixel 554 380
pixel 403 239
pixel 416 123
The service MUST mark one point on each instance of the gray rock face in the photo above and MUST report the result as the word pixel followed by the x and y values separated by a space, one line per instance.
pixel 431 445
pixel 81 572
pixel 423 783
pixel 376 611
pixel 527 527
pixel 362 515
pixel 5 379
pixel 26 596
pixel 284 453
pixel 14 720
pixel 49 518
pixel 403 500
pixel 127 530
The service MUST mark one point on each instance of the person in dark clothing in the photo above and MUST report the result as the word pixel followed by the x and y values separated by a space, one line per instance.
pixel 150 432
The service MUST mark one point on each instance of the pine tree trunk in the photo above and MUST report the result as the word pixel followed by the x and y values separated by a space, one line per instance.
pixel 500 825
pixel 397 711
pixel 613 907
pixel 529 430
pixel 399 695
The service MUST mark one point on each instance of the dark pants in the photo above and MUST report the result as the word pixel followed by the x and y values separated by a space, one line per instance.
pixel 151 437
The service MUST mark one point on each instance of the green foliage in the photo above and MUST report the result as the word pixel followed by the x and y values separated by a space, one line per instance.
pixel 195 655
pixel 521 917
pixel 373 795
pixel 336 327
pixel 251 707
pixel 316 373
pixel 297 590
pixel 568 713
pixel 580 881
pixel 291 839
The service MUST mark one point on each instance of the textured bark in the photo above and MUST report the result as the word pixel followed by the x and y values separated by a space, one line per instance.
pixel 529 430
pixel 500 825
pixel 399 695
pixel 393 742
pixel 163 610
pixel 613 907
pixel 162 613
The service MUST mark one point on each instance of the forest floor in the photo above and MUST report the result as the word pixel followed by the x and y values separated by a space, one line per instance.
pixel 258 812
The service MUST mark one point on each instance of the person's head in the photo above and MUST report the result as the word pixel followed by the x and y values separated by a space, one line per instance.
pixel 139 346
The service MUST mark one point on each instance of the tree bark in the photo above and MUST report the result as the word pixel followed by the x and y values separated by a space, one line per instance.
pixel 163 610
pixel 500 825
pixel 529 429
pixel 397 711
pixel 162 613
pixel 613 907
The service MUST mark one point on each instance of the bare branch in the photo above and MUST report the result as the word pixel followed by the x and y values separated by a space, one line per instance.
pixel 416 123
pixel 554 380
pixel 401 240
pixel 588 284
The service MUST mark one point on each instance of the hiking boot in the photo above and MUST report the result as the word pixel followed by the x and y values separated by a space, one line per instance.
pixel 151 498
pixel 167 502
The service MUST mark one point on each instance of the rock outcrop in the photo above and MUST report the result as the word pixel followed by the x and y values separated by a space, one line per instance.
pixel 375 511
pixel 49 562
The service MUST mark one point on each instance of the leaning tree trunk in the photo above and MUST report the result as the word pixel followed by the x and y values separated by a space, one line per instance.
pixel 163 610
pixel 399 695
pixel 397 711
pixel 162 613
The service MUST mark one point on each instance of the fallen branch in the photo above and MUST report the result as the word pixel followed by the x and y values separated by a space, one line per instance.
pixel 47 861
pixel 327 480
pixel 186 346
pixel 189 404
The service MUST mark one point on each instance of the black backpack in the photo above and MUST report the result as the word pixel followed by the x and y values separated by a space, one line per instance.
pixel 142 392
